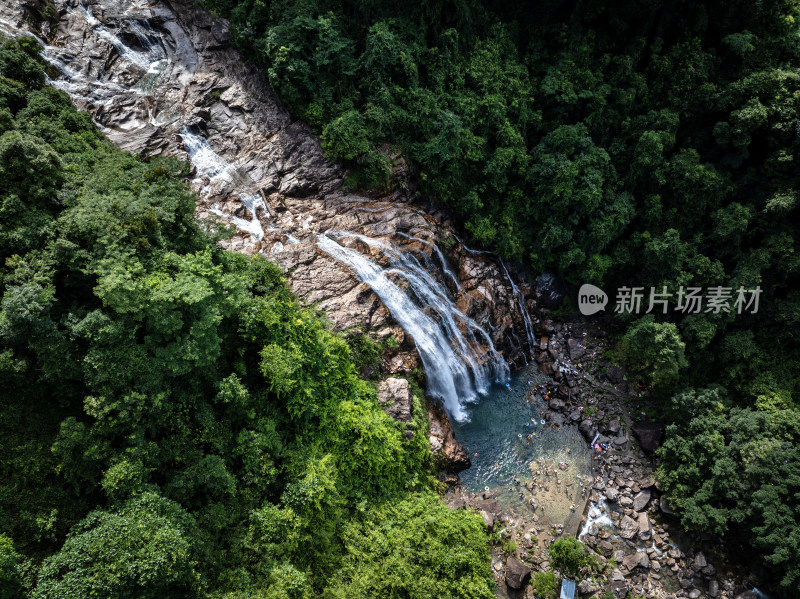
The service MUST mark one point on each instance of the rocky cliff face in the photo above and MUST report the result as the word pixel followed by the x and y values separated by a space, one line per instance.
pixel 161 78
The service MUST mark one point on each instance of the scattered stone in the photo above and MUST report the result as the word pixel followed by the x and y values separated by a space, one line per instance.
pixel 713 589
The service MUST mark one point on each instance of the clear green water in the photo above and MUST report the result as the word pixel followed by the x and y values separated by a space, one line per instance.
pixel 497 433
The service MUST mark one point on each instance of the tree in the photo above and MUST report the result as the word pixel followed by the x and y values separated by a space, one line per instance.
pixel 654 350
pixel 10 583
pixel 569 556
pixel 414 548
pixel 146 549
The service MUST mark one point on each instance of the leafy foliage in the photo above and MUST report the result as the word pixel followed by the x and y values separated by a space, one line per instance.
pixel 737 470
pixel 545 585
pixel 411 549
pixel 568 555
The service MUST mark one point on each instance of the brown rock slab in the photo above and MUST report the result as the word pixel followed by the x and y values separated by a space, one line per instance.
pixel 517 574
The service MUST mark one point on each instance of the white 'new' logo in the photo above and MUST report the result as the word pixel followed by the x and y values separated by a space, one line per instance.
pixel 591 299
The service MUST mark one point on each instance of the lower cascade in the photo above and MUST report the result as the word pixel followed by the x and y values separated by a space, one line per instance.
pixel 451 345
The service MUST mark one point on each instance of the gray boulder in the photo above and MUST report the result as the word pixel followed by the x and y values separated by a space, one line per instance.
pixel 641 500
pixel 636 560
pixel 628 527
pixel 394 394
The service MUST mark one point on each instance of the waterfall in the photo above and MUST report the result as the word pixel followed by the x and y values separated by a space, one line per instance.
pixel 212 165
pixel 458 370
pixel 525 316
pixel 596 519
pixel 206 161
pixel 152 52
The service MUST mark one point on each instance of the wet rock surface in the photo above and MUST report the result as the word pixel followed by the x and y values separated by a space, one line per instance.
pixel 448 452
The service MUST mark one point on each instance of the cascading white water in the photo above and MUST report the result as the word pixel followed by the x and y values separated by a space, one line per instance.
pixel 151 52
pixel 456 367
pixel 597 518
pixel 526 319
pixel 210 164
pixel 206 161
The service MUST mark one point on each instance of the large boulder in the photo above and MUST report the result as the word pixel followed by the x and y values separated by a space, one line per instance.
pixel 517 574
pixel 636 560
pixel 612 428
pixel 576 349
pixel 666 507
pixel 700 561
pixel 394 394
pixel 615 374
pixel 649 434
pixel 587 429
pixel 643 524
pixel 641 500
pixel 488 519
pixel 628 527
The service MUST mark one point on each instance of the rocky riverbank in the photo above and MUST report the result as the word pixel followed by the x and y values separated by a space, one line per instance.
pixel 628 524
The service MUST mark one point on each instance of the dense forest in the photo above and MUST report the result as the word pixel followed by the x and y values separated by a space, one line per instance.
pixel 650 143
pixel 173 423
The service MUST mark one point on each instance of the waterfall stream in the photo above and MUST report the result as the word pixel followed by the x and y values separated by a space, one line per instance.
pixel 457 371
